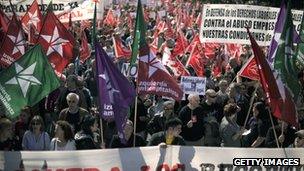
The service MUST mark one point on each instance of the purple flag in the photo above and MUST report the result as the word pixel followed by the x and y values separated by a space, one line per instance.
pixel 116 93
pixel 277 33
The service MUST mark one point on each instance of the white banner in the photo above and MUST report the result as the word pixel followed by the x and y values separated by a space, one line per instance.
pixel 172 158
pixel 193 85
pixel 225 23
pixel 80 9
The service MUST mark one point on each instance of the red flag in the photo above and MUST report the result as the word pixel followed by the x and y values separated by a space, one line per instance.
pixel 153 77
pixel 250 70
pixel 160 26
pixel 180 45
pixel 169 32
pixel 198 20
pixel 32 16
pixel 210 49
pixel 32 35
pixel 85 51
pixel 4 21
pixel 120 50
pixel 193 42
pixel 278 97
pixel 234 50
pixel 57 42
pixel 110 18
pixel 174 64
pixel 14 43
pixel 196 60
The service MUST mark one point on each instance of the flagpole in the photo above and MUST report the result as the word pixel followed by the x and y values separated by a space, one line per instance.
pixel 251 103
pixel 101 133
pixel 135 116
pixel 275 134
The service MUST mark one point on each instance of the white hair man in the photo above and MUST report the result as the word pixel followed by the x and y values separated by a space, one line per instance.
pixel 73 114
pixel 192 118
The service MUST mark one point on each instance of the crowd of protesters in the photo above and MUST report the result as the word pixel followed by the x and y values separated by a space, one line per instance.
pixel 68 118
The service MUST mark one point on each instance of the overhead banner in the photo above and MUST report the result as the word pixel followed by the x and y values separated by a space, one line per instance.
pixel 193 85
pixel 172 158
pixel 225 23
pixel 79 9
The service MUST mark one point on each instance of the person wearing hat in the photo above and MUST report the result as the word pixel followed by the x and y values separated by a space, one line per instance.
pixel 299 141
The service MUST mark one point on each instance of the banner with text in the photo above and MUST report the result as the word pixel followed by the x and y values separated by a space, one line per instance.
pixel 154 158
pixel 79 9
pixel 225 23
pixel 193 85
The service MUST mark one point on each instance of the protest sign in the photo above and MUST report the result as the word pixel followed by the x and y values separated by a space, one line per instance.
pixel 150 158
pixel 125 70
pixel 193 85
pixel 79 9
pixel 226 23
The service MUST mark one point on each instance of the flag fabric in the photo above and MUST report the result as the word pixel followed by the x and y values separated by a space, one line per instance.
pixel 300 47
pixel 120 50
pixel 116 93
pixel 32 35
pixel 193 43
pixel 85 50
pixel 250 70
pixel 15 43
pixel 210 49
pixel 27 81
pixel 278 97
pixel 180 45
pixel 153 77
pixel 33 18
pixel 285 60
pixel 277 33
pixel 198 20
pixel 4 21
pixel 139 35
pixel 57 42
pixel 174 64
pixel 110 19
pixel 197 59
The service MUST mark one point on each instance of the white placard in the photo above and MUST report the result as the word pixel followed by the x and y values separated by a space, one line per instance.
pixel 226 23
pixel 193 85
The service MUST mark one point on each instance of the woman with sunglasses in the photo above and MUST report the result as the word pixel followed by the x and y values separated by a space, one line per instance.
pixel 36 139
pixel 64 137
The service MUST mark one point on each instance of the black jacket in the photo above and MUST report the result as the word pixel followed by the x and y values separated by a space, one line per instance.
pixel 160 137
pixel 84 141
